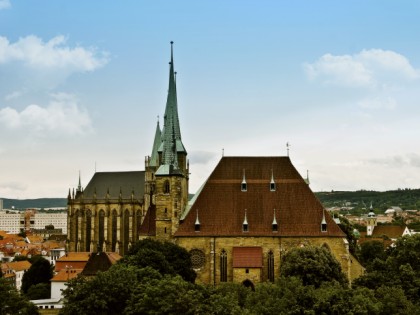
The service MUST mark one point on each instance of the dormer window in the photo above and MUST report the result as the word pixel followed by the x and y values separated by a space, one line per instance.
pixel 243 184
pixel 197 224
pixel 274 226
pixel 323 222
pixel 272 183
pixel 245 224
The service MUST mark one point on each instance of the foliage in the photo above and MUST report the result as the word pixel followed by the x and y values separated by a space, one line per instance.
pixel 400 268
pixel 371 250
pixel 11 302
pixel 348 228
pixel 107 292
pixel 40 272
pixel 165 257
pixel 39 291
pixel 314 265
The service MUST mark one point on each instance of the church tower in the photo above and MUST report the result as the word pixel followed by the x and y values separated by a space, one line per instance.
pixel 370 222
pixel 167 167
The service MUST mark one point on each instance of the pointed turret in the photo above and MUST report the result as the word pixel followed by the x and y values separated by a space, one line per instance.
pixel 171 145
pixel 154 159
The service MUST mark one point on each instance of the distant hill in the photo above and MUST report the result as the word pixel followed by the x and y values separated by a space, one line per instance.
pixel 407 199
pixel 34 203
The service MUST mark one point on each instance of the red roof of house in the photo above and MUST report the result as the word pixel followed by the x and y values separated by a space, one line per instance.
pixel 392 231
pixel 221 204
pixel 247 257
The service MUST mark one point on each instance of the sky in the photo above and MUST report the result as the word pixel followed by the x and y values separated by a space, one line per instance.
pixel 82 84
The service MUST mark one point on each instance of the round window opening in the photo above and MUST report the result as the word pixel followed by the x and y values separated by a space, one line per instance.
pixel 198 258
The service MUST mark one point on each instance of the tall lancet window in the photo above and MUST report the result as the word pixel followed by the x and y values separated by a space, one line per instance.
pixel 272 182
pixel 197 224
pixel 245 227
pixel 274 225
pixel 243 184
pixel 88 229
pixel 270 264
pixel 223 266
pixel 323 222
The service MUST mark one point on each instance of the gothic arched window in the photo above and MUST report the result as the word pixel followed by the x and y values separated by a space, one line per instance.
pixel 166 187
pixel 114 230
pixel 270 266
pixel 88 229
pixel 223 266
pixel 101 228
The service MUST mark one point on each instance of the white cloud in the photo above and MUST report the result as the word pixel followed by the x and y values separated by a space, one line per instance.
pixel 388 103
pixel 53 54
pixel 369 68
pixel 5 4
pixel 13 95
pixel 62 116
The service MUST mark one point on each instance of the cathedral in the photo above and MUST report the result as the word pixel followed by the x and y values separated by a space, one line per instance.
pixel 237 226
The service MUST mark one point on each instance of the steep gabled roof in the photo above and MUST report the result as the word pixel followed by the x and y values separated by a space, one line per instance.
pixel 221 204
pixel 114 182
pixel 392 231
pixel 100 262
pixel 148 227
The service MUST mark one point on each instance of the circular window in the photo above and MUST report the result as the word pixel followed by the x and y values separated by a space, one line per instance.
pixel 198 258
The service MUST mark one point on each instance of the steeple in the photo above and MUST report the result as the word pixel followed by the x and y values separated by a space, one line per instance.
pixel 171 144
pixel 154 159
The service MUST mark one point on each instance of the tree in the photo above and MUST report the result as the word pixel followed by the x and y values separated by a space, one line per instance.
pixel 348 228
pixel 314 265
pixel 371 250
pixel 166 257
pixel 39 291
pixel 40 272
pixel 170 295
pixel 11 302
pixel 107 292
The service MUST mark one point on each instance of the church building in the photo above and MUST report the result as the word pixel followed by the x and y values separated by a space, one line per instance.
pixel 241 221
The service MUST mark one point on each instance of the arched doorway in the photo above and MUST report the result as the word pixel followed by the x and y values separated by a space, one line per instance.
pixel 248 284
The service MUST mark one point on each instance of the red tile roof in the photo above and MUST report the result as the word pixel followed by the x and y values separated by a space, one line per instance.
pixel 392 231
pixel 221 204
pixel 247 257
pixel 148 227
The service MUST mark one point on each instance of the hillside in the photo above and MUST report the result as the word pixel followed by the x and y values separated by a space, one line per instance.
pixel 360 200
pixel 34 203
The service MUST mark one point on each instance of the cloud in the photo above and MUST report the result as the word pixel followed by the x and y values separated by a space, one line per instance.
pixel 14 186
pixel 53 55
pixel 201 157
pixel 13 95
pixel 412 160
pixel 5 4
pixel 62 116
pixel 369 68
pixel 387 103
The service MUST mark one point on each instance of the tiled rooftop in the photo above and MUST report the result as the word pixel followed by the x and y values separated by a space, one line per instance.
pixel 221 204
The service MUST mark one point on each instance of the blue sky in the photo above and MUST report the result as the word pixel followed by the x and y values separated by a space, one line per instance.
pixel 82 83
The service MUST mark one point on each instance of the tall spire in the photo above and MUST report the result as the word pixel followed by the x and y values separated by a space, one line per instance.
pixel 154 159
pixel 171 143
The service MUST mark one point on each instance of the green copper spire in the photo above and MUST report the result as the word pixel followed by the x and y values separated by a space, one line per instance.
pixel 154 159
pixel 171 134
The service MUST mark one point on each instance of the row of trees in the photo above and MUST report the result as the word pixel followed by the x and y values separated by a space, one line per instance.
pixel 311 283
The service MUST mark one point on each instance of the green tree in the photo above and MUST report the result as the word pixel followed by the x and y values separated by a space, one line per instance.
pixel 348 228
pixel 40 271
pixel 166 257
pixel 39 291
pixel 371 250
pixel 170 295
pixel 314 265
pixel 107 292
pixel 11 302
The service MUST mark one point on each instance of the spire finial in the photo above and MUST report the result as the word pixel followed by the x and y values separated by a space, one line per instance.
pixel 288 147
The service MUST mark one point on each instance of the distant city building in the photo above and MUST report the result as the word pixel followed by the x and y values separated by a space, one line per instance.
pixel 11 222
pixel 1 204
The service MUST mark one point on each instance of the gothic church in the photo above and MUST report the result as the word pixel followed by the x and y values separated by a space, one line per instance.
pixel 246 215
